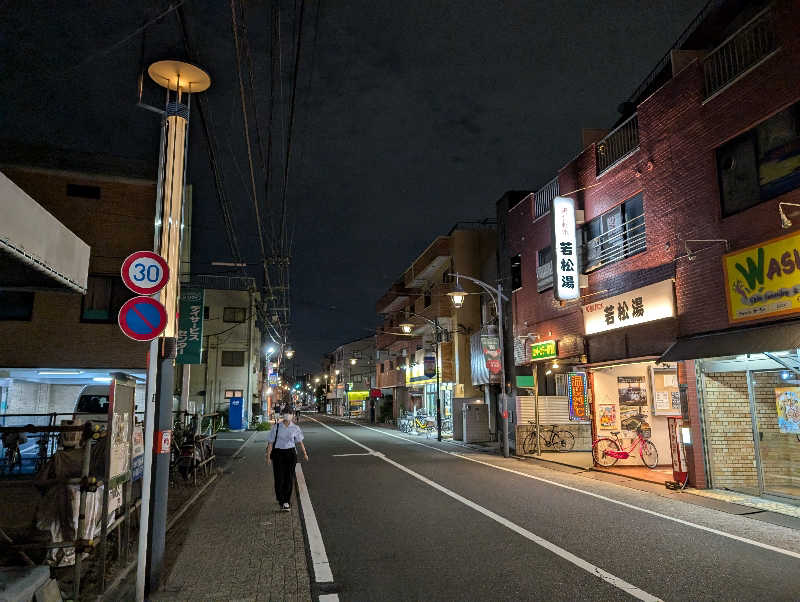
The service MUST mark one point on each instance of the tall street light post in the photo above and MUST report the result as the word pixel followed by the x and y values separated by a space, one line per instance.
pixel 497 296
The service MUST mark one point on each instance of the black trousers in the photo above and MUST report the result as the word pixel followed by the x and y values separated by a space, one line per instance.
pixel 283 461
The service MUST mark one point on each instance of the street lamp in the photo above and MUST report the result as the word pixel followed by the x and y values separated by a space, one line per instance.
pixel 406 328
pixel 289 352
pixel 457 295
pixel 353 361
pixel 497 296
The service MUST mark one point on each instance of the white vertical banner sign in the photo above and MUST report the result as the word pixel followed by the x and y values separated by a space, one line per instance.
pixel 565 249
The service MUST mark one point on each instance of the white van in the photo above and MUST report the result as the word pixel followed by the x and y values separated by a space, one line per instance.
pixel 92 403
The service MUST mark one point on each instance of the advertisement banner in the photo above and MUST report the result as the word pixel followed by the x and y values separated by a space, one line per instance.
pixel 577 396
pixel 430 365
pixel 763 280
pixel 190 326
pixel 646 304
pixel 565 249
pixel 544 350
pixel 490 344
pixel 787 401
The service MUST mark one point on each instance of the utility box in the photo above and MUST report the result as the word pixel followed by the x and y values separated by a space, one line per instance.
pixel 475 420
pixel 235 414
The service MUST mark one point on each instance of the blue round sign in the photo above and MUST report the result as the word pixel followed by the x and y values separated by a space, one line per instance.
pixel 142 318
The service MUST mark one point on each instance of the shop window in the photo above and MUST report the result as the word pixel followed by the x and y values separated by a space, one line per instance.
pixel 516 272
pixel 234 314
pixel 83 191
pixel 103 299
pixel 205 312
pixel 614 235
pixel 16 306
pixel 760 164
pixel 233 358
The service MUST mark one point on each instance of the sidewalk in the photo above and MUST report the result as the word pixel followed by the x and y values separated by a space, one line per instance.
pixel 239 546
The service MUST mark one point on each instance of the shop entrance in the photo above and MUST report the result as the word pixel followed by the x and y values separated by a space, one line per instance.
pixel 752 423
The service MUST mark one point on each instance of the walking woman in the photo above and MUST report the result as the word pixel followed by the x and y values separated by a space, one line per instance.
pixel 282 455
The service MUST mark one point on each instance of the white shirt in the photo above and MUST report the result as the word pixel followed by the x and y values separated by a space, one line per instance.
pixel 288 436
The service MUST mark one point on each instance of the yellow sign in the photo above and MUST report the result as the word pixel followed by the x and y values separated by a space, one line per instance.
pixel 763 280
pixel 543 350
pixel 357 395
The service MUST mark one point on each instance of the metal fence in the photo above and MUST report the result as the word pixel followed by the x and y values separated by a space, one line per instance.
pixel 615 244
pixel 753 43
pixel 543 197
pixel 622 141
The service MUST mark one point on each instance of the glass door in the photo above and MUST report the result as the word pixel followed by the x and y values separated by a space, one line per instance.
pixel 775 405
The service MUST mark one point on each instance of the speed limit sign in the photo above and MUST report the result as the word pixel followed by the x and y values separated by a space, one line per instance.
pixel 145 272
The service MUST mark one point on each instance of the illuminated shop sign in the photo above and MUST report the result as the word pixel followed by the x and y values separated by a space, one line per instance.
pixel 654 302
pixel 544 350
pixel 566 286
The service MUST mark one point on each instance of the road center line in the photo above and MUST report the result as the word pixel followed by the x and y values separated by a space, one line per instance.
pixel 558 551
pixel 319 557
pixel 751 542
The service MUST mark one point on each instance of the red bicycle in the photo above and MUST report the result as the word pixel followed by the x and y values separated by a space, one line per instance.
pixel 608 451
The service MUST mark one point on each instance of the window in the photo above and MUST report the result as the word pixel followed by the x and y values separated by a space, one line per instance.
pixel 383 367
pixel 516 272
pixel 205 312
pixel 233 393
pixel 84 192
pixel 93 404
pixel 544 256
pixel 234 314
pixel 16 306
pixel 427 298
pixel 356 378
pixel 233 358
pixel 614 235
pixel 103 299
pixel 761 163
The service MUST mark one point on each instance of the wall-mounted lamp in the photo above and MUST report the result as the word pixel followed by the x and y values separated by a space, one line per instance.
pixel 406 328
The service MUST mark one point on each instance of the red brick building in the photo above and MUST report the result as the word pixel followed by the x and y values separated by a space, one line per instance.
pixel 705 152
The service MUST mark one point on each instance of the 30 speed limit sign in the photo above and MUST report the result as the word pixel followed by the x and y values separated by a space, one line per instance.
pixel 145 272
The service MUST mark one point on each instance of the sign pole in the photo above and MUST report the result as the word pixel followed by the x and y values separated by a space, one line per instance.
pixel 149 419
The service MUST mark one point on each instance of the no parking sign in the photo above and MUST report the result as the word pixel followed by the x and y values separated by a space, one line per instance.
pixel 142 318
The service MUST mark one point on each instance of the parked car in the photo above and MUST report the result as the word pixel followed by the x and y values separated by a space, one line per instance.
pixel 92 403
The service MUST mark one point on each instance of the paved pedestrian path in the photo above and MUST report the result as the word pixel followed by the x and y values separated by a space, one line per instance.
pixel 239 545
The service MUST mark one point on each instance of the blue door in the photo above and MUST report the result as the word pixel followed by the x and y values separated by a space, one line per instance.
pixel 235 414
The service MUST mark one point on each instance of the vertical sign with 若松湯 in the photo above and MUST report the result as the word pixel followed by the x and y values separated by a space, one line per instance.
pixel 190 326
pixel 566 286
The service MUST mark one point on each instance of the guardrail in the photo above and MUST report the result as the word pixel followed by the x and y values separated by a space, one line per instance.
pixel 618 144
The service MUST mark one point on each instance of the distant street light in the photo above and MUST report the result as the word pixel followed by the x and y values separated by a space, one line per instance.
pixel 289 352
pixel 406 328
pixel 353 361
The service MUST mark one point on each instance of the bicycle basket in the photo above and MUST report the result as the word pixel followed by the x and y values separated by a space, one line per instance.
pixel 645 432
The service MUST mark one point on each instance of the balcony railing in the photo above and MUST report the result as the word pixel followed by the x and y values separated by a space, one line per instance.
pixel 618 243
pixel 621 142
pixel 544 277
pixel 745 49
pixel 543 197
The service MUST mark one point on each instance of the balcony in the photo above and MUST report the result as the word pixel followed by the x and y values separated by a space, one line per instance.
pixel 620 143
pixel 543 197
pixel 544 277
pixel 615 244
pixel 753 44
pixel 427 266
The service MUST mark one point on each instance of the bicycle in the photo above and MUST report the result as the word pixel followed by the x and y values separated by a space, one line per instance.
pixel 607 451
pixel 12 455
pixel 562 441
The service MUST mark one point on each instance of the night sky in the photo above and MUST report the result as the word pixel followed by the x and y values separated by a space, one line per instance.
pixel 409 117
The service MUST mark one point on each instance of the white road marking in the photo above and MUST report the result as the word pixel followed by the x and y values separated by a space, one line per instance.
pixel 329 598
pixel 751 542
pixel 319 557
pixel 634 591
pixel 346 455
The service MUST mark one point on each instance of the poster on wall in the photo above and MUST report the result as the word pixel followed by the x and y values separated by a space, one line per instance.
pixel 662 401
pixel 631 391
pixel 576 395
pixel 607 416
pixel 787 400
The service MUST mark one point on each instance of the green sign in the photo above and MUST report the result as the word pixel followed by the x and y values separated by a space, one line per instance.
pixel 190 326
pixel 543 350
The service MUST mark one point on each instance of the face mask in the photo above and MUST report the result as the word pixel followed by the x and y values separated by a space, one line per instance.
pixel 287 417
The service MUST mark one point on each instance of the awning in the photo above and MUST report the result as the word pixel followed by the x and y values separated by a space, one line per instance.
pixel 756 339
pixel 36 250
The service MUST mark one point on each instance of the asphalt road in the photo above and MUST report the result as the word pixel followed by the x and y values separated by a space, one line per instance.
pixel 403 521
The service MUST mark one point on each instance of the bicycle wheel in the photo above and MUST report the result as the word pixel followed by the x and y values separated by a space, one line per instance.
pixel 529 443
pixel 564 441
pixel 649 454
pixel 599 449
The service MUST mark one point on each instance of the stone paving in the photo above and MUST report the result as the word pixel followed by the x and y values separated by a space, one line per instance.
pixel 239 545
pixel 749 500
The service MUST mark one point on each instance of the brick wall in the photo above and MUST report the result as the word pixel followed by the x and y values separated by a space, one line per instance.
pixel 114 226
pixel 695 454
pixel 729 431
